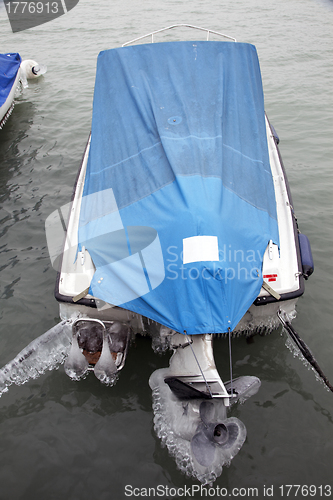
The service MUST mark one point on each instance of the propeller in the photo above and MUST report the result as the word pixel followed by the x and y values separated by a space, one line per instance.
pixel 76 364
pixel 211 435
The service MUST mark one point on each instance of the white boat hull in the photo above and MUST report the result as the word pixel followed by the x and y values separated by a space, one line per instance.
pixel 282 268
pixel 8 106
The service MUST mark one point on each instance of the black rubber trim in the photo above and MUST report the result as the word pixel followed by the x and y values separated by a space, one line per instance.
pixel 67 299
pixel 268 299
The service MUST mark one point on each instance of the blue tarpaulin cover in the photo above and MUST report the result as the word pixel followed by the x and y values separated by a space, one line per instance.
pixel 9 66
pixel 179 203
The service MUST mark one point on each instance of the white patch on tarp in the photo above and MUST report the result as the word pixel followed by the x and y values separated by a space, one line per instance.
pixel 200 249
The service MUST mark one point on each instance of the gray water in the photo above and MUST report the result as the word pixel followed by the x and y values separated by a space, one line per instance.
pixel 82 440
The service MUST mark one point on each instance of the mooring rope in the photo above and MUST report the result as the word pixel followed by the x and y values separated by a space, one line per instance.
pixel 302 346
pixel 230 363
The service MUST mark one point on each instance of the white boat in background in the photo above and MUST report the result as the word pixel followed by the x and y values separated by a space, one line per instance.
pixel 12 72
pixel 9 79
pixel 181 226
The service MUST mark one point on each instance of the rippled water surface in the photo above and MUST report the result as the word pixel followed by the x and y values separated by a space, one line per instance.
pixel 80 441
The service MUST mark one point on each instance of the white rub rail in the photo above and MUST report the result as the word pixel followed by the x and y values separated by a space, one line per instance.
pixel 209 32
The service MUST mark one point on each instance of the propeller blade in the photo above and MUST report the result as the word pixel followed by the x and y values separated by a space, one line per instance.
pixel 203 447
pixel 207 411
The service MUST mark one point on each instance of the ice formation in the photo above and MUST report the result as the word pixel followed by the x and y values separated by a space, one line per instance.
pixel 46 352
pixel 182 429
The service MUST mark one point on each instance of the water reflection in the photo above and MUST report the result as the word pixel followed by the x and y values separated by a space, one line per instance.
pixel 15 131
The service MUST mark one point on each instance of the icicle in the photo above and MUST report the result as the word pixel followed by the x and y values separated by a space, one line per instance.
pixel 105 368
pixel 76 365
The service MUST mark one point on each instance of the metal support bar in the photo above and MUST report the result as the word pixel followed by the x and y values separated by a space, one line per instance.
pixel 271 291
pixel 179 26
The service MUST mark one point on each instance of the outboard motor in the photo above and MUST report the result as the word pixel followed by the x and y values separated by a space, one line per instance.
pixel 190 403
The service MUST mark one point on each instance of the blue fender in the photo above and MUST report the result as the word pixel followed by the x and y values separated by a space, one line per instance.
pixel 306 255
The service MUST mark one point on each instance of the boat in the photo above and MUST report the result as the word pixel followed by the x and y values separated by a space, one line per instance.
pixel 14 71
pixel 9 79
pixel 181 227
